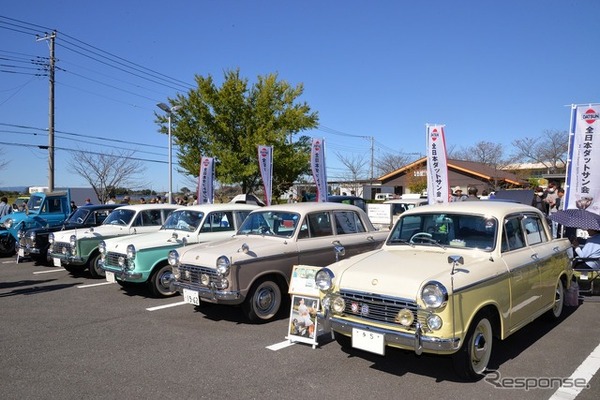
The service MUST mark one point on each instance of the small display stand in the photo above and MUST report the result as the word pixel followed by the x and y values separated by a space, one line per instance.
pixel 304 324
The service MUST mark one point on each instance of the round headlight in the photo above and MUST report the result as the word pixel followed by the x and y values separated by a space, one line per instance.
pixel 102 247
pixel 21 234
pixel 73 240
pixel 338 305
pixel 204 279
pixel 32 236
pixel 173 258
pixel 51 238
pixel 131 252
pixel 223 265
pixel 434 295
pixel 8 223
pixel 323 279
pixel 405 317
pixel 434 322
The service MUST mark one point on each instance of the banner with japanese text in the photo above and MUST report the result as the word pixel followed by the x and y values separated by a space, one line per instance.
pixel 583 170
pixel 438 188
pixel 205 181
pixel 265 163
pixel 317 164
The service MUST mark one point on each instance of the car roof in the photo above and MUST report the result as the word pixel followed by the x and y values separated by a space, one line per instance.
pixel 99 206
pixel 309 206
pixel 137 207
pixel 493 208
pixel 220 207
pixel 405 201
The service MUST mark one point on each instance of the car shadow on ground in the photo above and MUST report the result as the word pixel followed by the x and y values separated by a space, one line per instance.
pixel 401 362
pixel 222 312
pixel 35 289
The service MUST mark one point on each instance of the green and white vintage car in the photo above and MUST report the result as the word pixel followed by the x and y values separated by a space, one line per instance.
pixel 142 259
pixel 448 280
pixel 77 249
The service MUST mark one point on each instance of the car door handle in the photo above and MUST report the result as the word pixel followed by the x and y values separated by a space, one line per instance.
pixel 535 256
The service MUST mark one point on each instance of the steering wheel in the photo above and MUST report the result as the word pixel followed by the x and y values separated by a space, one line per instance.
pixel 422 237
pixel 265 230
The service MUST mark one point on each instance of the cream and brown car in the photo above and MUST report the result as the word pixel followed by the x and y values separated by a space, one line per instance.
pixel 253 268
pixel 448 280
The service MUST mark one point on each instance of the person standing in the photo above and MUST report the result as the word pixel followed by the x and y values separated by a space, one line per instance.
pixel 472 194
pixel 5 208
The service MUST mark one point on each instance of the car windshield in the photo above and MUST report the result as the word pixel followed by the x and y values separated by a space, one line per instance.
pixel 454 230
pixel 119 217
pixel 34 203
pixel 185 220
pixel 78 216
pixel 277 223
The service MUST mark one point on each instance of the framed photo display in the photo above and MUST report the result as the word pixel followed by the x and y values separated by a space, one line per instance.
pixel 303 320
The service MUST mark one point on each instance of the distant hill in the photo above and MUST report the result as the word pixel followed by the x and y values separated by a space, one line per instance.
pixel 20 189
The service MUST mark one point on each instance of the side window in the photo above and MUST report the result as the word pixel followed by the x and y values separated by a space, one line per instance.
pixel 319 224
pixel 100 216
pixel 534 228
pixel 163 215
pixel 240 216
pixel 218 222
pixel 148 218
pixel 512 237
pixel 348 222
pixel 54 205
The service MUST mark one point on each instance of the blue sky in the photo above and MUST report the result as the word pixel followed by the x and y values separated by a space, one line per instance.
pixel 489 70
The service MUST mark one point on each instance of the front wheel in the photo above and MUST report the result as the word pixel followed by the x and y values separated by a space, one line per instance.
pixel 160 282
pixel 7 245
pixel 559 302
pixel 471 361
pixel 263 301
pixel 94 266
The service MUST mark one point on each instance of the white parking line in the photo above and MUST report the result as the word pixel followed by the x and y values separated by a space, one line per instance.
pixel 585 372
pixel 166 306
pixel 94 284
pixel 8 262
pixel 49 271
pixel 281 345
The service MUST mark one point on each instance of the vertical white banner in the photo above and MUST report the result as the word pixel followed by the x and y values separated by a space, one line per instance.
pixel 438 188
pixel 205 181
pixel 265 163
pixel 317 164
pixel 583 171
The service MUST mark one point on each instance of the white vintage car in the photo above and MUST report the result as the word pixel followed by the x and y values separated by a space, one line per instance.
pixel 253 268
pixel 77 249
pixel 142 258
pixel 448 279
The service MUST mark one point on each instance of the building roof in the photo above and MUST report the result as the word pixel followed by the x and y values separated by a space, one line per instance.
pixel 474 168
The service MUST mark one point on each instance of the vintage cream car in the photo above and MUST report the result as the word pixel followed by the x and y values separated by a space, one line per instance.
pixel 142 258
pixel 77 249
pixel 253 268
pixel 448 279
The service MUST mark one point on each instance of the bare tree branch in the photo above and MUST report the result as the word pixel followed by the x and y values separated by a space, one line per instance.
pixel 107 171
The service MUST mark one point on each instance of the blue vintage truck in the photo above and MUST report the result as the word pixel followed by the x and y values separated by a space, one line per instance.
pixel 44 209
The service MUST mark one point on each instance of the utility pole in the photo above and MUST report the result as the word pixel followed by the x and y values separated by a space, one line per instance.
pixel 51 38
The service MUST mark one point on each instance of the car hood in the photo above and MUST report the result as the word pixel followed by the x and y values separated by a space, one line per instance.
pixel 402 273
pixel 259 247
pixel 97 232
pixel 161 238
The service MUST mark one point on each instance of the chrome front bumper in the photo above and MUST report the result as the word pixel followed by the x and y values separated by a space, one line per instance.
pixel 210 294
pixel 121 274
pixel 409 341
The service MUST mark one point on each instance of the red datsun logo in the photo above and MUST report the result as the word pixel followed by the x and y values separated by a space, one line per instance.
pixel 591 116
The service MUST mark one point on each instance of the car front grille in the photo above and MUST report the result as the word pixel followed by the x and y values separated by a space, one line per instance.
pixel 191 274
pixel 59 246
pixel 378 308
pixel 112 258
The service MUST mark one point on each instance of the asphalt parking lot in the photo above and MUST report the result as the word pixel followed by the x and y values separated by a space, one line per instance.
pixel 73 337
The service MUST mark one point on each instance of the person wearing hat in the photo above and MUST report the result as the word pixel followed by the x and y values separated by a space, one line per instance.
pixel 458 195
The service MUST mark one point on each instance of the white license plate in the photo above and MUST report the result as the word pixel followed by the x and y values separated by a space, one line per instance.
pixel 110 277
pixel 56 262
pixel 368 341
pixel 191 297
pixel 21 252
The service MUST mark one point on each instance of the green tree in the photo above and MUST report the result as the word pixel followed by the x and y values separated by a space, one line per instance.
pixel 229 122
